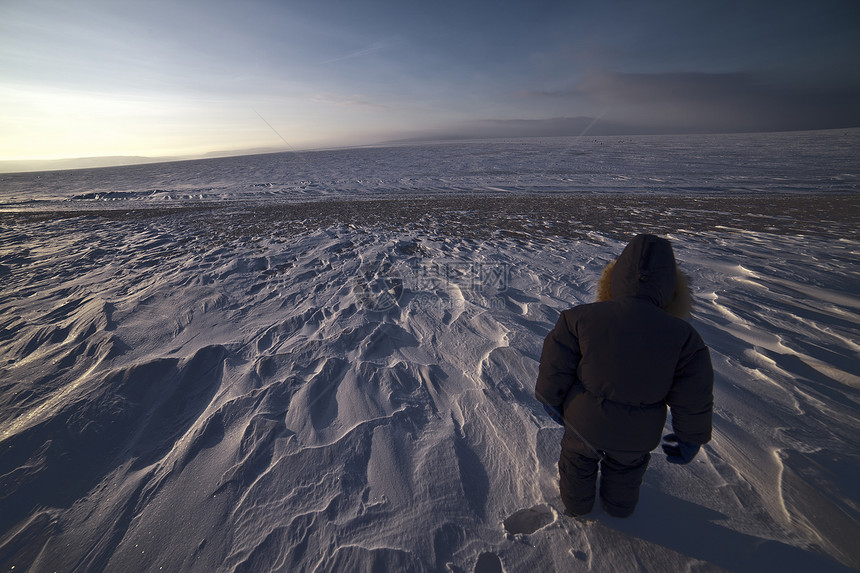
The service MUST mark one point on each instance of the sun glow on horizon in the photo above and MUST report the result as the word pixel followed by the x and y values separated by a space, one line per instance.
pixel 166 79
pixel 47 123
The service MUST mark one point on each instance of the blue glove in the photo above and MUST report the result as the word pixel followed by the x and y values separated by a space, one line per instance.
pixel 554 413
pixel 678 452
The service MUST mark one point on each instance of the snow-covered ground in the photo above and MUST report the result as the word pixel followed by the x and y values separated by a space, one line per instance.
pixel 245 381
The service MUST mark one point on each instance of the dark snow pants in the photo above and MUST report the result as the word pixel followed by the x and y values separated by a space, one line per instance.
pixel 621 476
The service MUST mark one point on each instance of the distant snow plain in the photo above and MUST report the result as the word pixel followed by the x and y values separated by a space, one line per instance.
pixel 325 361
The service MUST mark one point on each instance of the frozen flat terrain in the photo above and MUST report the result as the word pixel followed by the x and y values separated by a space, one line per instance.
pixel 201 374
pixel 821 161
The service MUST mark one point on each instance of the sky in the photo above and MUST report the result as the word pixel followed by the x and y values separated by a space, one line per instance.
pixel 90 78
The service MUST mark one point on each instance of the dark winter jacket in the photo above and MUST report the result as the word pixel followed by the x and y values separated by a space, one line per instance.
pixel 615 365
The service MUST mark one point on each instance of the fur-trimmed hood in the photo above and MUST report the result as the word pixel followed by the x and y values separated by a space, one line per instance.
pixel 612 366
pixel 647 269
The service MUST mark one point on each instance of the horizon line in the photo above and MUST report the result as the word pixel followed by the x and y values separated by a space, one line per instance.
pixel 71 163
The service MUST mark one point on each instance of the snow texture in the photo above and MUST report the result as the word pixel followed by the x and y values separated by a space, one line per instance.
pixel 326 361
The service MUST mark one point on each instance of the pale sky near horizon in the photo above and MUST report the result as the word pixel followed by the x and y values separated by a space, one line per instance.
pixel 81 78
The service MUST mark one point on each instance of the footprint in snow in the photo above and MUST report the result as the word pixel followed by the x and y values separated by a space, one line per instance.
pixel 529 520
pixel 489 563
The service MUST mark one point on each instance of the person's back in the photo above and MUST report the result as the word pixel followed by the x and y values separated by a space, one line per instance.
pixel 612 367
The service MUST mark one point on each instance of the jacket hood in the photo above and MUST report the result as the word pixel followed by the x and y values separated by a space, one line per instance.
pixel 646 268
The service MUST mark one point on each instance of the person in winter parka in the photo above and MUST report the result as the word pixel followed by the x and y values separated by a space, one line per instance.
pixel 609 370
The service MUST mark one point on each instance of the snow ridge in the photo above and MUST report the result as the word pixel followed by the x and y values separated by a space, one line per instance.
pixel 245 389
